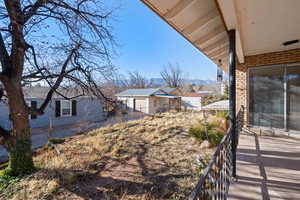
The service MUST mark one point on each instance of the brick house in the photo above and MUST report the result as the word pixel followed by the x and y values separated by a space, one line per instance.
pixel 257 43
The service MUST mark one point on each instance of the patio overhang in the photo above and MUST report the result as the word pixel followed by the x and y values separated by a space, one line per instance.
pixel 260 26
pixel 200 22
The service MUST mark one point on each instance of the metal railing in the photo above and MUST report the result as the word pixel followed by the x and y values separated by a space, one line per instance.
pixel 215 180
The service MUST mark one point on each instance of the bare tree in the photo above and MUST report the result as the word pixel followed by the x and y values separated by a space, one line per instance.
pixel 136 80
pixel 172 75
pixel 61 43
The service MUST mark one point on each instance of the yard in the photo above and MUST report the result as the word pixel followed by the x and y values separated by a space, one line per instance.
pixel 151 158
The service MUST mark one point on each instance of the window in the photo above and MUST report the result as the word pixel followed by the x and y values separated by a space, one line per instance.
pixel 66 108
pixel 32 105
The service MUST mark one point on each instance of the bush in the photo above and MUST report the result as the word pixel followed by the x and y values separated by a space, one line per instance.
pixel 222 115
pixel 207 131
pixel 198 132
pixel 215 137
pixel 7 184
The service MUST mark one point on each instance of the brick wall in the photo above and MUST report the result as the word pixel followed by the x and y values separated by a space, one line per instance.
pixel 282 57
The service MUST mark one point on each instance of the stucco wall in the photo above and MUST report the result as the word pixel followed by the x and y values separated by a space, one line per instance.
pixel 87 110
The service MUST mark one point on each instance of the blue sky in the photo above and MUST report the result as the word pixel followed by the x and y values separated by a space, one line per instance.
pixel 147 43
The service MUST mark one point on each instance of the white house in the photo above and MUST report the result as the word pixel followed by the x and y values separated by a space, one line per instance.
pixel 150 100
pixel 59 111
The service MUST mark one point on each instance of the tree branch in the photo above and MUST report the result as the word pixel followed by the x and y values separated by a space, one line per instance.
pixel 33 9
pixel 58 81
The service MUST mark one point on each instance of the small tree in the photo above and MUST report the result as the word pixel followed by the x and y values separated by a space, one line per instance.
pixel 71 54
pixel 172 75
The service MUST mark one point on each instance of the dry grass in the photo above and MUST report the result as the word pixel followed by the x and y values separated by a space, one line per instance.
pixel 151 158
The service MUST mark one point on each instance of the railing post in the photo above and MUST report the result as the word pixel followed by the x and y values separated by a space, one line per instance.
pixel 232 96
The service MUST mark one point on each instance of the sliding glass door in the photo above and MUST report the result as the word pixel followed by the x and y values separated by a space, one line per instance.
pixel 266 95
pixel 274 96
pixel 293 97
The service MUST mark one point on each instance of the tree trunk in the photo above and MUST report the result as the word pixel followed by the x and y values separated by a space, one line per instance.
pixel 20 157
pixel 19 148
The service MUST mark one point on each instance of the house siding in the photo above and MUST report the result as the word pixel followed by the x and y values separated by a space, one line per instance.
pixel 283 57
pixel 87 110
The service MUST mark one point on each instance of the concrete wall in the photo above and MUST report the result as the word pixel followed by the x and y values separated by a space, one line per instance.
pixel 283 57
pixel 191 103
pixel 87 110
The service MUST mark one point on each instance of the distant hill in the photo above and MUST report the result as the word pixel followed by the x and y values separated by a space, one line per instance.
pixel 157 81
pixel 200 82
pixel 160 81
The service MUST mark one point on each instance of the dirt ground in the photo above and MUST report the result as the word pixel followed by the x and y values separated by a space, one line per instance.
pixel 149 158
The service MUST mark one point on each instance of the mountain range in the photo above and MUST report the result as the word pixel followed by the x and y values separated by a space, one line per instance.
pixel 160 81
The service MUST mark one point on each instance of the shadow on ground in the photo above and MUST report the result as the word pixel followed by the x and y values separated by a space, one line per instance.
pixel 267 168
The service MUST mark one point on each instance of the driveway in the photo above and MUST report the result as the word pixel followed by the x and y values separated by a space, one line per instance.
pixel 40 136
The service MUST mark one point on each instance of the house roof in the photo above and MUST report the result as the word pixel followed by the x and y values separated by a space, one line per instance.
pixel 41 92
pixel 140 92
pixel 219 105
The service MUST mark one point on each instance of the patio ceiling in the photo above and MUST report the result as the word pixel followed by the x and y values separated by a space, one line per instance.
pixel 261 26
pixel 199 21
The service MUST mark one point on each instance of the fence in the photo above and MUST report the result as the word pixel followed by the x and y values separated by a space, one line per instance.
pixel 215 180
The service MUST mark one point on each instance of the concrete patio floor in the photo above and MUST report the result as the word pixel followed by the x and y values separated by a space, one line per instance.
pixel 267 168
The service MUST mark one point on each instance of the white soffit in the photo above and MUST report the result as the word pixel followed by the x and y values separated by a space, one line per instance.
pixel 263 25
pixel 199 21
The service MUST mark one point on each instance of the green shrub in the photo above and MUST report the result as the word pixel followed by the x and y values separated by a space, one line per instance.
pixel 207 131
pixel 222 114
pixel 215 137
pixel 7 184
pixel 198 132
